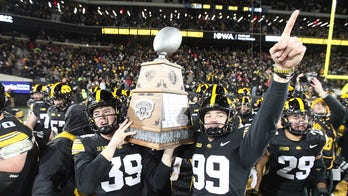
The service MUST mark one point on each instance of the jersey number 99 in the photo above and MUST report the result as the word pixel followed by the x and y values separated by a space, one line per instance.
pixel 211 172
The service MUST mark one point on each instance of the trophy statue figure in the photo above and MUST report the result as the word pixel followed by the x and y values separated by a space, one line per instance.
pixel 159 103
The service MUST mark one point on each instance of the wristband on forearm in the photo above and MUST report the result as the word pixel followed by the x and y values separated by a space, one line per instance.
pixel 284 73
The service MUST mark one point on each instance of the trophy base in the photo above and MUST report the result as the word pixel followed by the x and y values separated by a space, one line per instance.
pixel 161 140
pixel 160 146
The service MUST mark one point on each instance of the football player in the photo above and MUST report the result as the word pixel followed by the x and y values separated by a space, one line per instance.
pixel 18 154
pixel 245 110
pixel 37 118
pixel 56 167
pixel 105 164
pixel 224 155
pixel 342 187
pixel 292 154
pixel 210 89
pixel 328 116
pixel 61 96
pixel 38 93
pixel 181 178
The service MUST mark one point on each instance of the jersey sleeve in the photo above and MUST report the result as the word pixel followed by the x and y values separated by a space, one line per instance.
pixel 156 173
pixel 89 169
pixel 14 143
pixel 263 126
pixel 337 111
pixel 16 139
pixel 54 169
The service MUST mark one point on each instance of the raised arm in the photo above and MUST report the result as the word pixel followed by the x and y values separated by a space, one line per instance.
pixel 286 54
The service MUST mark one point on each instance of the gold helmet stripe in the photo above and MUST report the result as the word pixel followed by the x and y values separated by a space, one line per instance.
pixel 97 95
pixel 300 103
pixel 212 99
pixel 53 87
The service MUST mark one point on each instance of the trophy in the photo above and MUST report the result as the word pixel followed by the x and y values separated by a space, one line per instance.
pixel 159 104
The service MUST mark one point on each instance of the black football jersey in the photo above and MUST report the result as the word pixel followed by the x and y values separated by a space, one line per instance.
pixel 290 162
pixel 13 132
pixel 219 159
pixel 56 119
pixel 247 119
pixel 56 168
pixel 222 166
pixel 124 175
pixel 329 125
pixel 40 108
pixel 330 148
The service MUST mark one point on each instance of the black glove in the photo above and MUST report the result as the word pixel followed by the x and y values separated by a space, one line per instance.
pixel 345 177
pixel 341 164
pixel 254 192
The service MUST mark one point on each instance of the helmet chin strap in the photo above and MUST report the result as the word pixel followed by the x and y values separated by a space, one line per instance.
pixel 298 132
pixel 108 129
pixel 215 124
pixel 215 132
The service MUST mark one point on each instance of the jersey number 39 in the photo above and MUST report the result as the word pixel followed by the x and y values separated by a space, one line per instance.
pixel 130 176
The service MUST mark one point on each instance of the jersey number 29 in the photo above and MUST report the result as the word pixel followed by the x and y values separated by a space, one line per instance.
pixel 304 164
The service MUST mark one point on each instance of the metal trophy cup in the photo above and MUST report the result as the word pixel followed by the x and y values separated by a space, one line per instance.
pixel 159 103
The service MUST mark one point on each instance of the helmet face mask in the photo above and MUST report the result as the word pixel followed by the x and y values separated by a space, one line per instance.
pixel 38 96
pixel 297 117
pixel 344 99
pixel 244 106
pixel 217 102
pixel 216 127
pixel 299 123
pixel 100 99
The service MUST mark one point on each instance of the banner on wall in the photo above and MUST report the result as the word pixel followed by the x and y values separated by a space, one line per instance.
pixel 16 84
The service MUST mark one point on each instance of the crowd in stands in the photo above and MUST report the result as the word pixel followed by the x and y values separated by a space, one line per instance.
pixel 73 70
pixel 185 18
pixel 119 65
pixel 321 6
pixel 39 57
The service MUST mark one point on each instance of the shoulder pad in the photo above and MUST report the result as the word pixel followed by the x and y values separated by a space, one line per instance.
pixel 13 144
pixel 77 147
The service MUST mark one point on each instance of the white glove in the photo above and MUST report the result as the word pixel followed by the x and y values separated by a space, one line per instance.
pixel 253 175
pixel 343 166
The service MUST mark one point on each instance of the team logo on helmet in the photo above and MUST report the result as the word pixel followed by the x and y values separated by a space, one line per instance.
pixel 61 91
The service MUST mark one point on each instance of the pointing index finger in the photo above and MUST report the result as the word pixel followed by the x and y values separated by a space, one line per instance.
pixel 288 28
